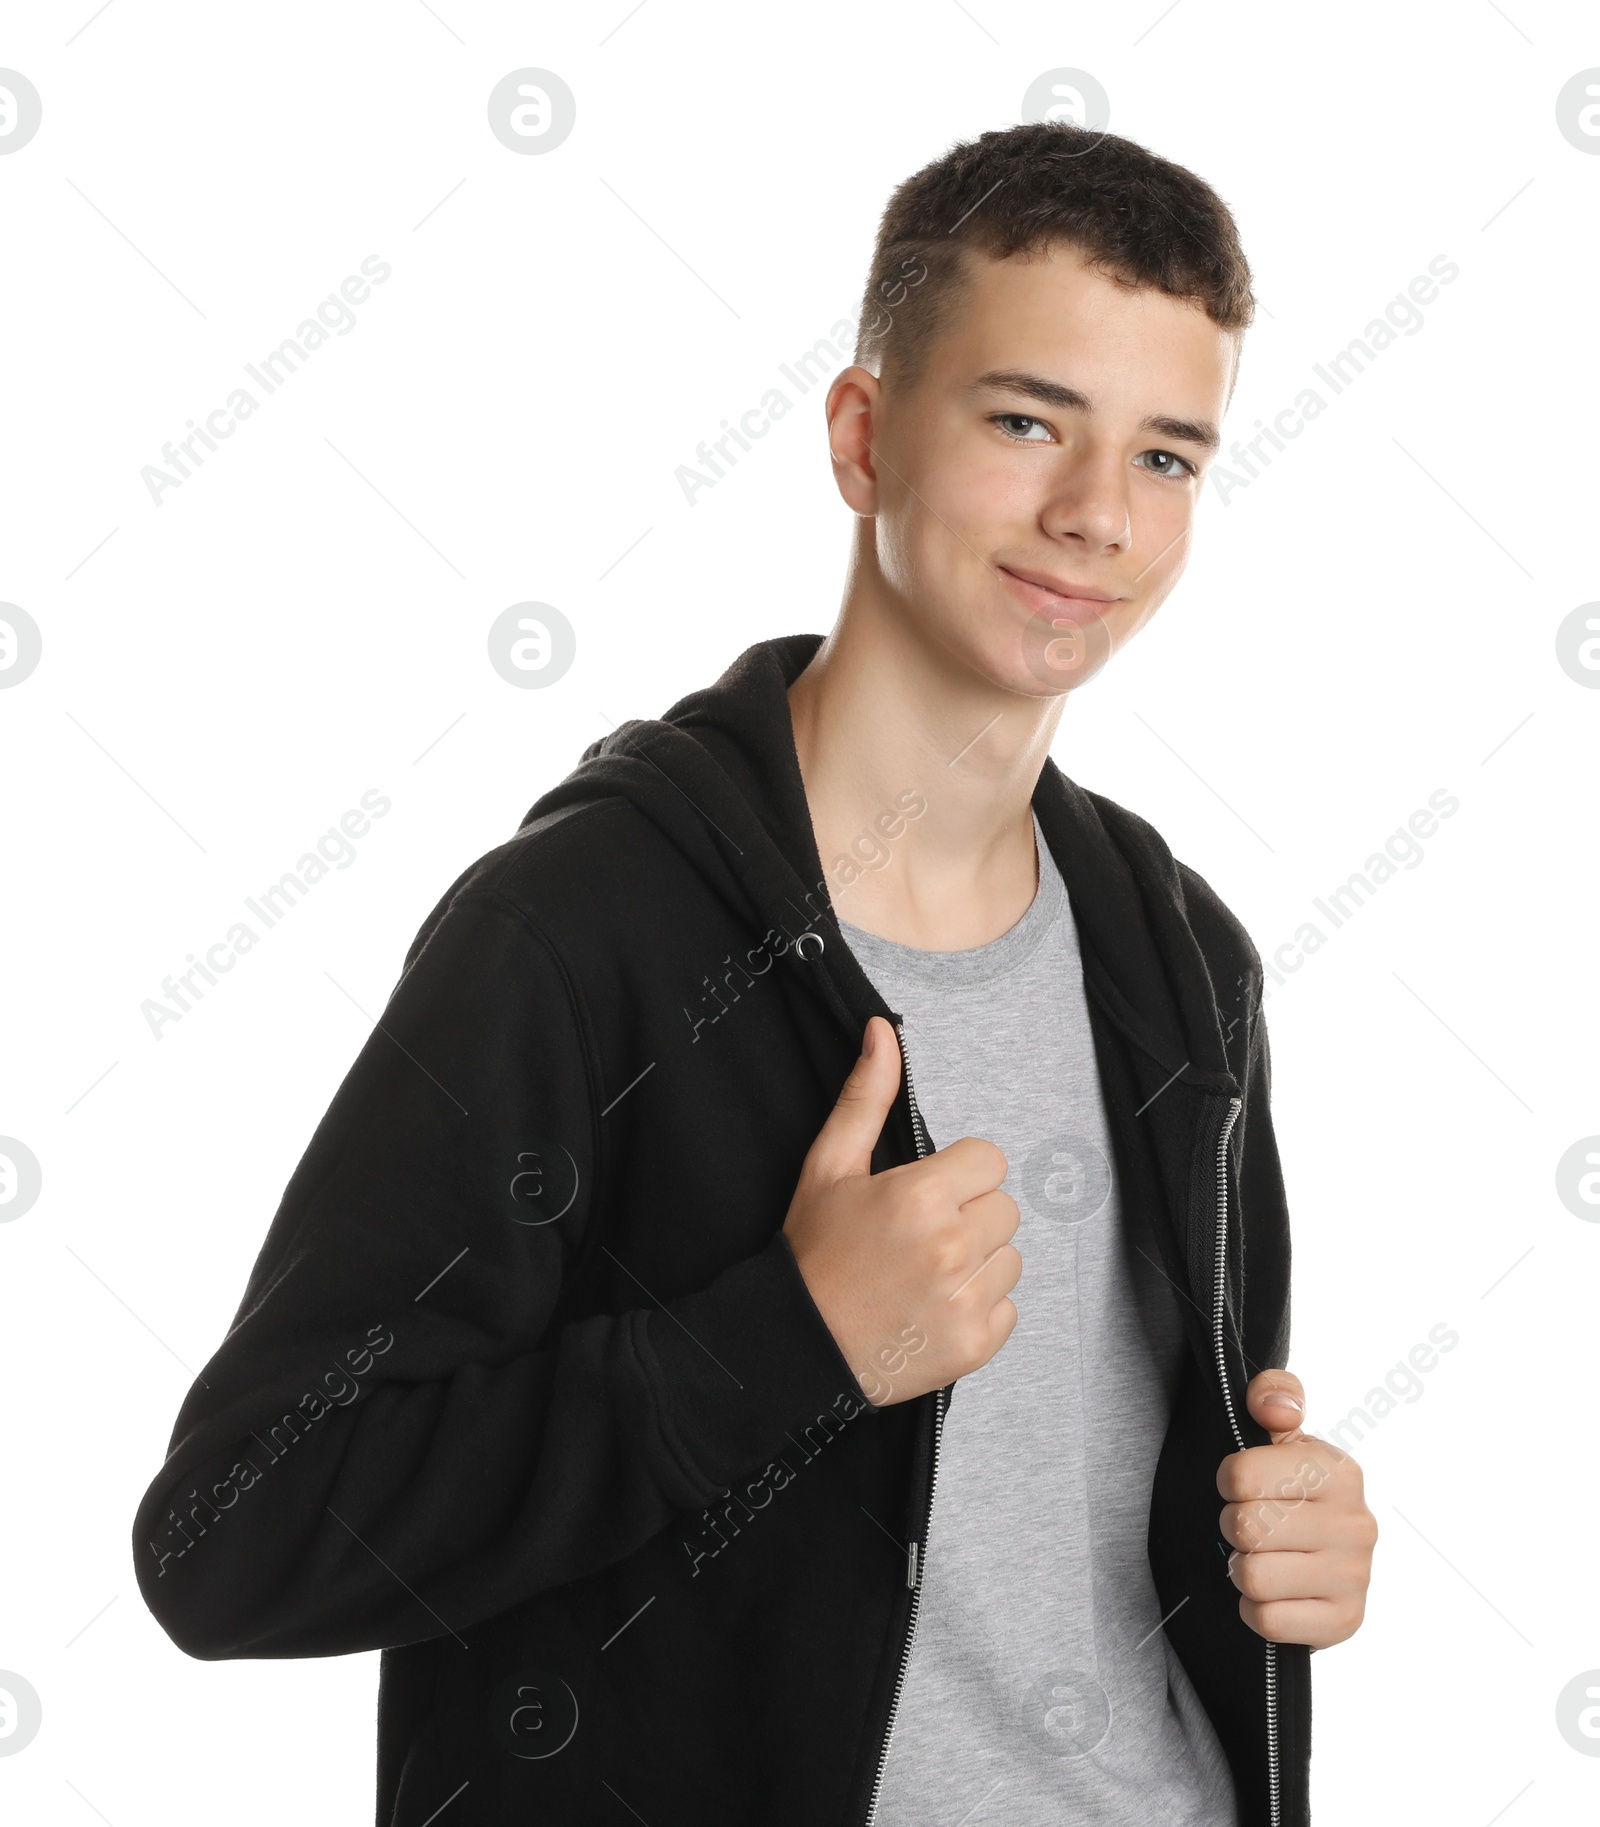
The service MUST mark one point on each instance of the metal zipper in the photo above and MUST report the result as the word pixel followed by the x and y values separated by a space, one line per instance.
pixel 914 1569
pixel 1218 1304
pixel 918 1128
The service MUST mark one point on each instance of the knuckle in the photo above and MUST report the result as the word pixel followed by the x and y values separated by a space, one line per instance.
pixel 947 1253
pixel 983 1335
pixel 926 1197
pixel 1308 1476
pixel 1272 1620
pixel 997 1161
pixel 1246 1529
pixel 1250 1575
pixel 972 1349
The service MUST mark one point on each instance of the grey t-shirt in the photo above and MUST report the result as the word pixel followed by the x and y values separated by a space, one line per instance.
pixel 1041 1687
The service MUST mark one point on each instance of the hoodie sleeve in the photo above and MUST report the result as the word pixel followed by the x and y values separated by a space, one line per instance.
pixel 398 1437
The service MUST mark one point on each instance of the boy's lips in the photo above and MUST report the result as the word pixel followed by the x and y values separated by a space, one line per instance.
pixel 1056 597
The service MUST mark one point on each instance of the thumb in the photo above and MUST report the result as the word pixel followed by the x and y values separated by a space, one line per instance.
pixel 845 1142
pixel 1276 1399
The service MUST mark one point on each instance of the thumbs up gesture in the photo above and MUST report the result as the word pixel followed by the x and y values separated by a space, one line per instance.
pixel 911 1268
pixel 1300 1527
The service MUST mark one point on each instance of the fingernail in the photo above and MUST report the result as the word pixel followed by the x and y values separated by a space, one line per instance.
pixel 1280 1398
pixel 869 1041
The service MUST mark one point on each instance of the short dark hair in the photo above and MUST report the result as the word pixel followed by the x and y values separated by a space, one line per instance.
pixel 1137 218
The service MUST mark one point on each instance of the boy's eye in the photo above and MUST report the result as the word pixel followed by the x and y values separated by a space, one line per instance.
pixel 1165 463
pixel 1020 426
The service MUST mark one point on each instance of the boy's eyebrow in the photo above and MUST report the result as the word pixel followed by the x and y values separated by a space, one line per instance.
pixel 1054 393
pixel 1190 431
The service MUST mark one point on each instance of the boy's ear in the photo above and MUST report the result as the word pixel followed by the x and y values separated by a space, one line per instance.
pixel 854 406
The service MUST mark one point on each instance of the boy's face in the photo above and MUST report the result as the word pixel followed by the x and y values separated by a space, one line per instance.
pixel 1033 488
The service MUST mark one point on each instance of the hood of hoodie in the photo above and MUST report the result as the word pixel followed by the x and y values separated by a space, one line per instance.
pixel 719 775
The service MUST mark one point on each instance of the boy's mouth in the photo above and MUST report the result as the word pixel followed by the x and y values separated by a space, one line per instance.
pixel 1059 598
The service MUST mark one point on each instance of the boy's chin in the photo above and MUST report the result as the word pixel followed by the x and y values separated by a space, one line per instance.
pixel 1037 658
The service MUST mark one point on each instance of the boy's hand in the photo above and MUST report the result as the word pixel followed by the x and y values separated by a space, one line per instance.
pixel 1302 1533
pixel 911 1267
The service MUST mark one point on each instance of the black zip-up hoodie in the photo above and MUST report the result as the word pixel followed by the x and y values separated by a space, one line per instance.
pixel 526 1389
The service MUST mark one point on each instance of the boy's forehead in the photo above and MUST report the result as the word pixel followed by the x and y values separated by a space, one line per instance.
pixel 1039 311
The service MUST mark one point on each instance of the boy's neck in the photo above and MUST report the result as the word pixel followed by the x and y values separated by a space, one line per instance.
pixel 885 721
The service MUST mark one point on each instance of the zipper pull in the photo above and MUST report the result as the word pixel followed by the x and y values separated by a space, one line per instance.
pixel 911 1567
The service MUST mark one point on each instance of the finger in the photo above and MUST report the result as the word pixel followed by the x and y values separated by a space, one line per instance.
pixel 1002 1323
pixel 990 1280
pixel 968 1168
pixel 1276 1399
pixel 1300 1525
pixel 1318 1622
pixel 845 1141
pixel 1298 1467
pixel 1331 1574
pixel 991 1220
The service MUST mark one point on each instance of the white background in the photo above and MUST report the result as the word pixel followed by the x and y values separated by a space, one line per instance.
pixel 223 675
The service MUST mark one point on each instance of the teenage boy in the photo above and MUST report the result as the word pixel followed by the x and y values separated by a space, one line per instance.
pixel 604 1358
